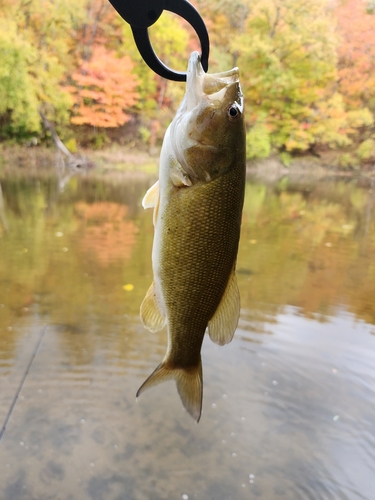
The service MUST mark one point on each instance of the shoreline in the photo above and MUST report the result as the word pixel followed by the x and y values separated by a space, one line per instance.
pixel 137 162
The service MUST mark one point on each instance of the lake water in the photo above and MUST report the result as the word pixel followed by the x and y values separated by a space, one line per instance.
pixel 289 405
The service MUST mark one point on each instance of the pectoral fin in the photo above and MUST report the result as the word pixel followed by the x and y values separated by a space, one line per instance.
pixel 151 199
pixel 151 316
pixel 179 178
pixel 224 322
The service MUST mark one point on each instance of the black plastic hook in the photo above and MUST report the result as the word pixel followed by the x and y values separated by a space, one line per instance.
pixel 141 14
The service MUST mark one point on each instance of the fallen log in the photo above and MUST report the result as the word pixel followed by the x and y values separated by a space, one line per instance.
pixel 73 161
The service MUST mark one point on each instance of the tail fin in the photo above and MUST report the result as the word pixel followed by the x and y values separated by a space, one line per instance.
pixel 189 385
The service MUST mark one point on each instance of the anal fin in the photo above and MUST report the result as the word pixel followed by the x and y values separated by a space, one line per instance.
pixel 223 323
pixel 151 316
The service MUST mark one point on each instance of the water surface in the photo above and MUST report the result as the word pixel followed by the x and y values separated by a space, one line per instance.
pixel 289 408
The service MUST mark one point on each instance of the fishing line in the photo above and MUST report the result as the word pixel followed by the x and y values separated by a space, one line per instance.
pixel 7 418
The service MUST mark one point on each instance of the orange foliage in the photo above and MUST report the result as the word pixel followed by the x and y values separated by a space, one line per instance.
pixel 105 231
pixel 104 88
pixel 356 53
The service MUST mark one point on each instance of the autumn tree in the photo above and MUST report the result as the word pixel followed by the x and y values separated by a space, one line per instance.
pixel 99 26
pixel 288 60
pixel 356 52
pixel 224 19
pixel 356 70
pixel 41 43
pixel 307 69
pixel 104 90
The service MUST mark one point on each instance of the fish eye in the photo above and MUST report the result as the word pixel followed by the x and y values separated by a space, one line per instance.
pixel 233 112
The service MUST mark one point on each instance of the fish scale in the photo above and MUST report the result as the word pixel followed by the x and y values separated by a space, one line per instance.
pixel 209 248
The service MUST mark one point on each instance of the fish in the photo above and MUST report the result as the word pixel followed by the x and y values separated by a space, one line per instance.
pixel 197 202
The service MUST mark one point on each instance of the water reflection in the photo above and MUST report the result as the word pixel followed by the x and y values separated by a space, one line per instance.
pixel 288 405
pixel 311 245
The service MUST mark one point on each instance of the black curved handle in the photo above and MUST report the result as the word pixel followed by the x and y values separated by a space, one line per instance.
pixel 141 14
pixel 184 9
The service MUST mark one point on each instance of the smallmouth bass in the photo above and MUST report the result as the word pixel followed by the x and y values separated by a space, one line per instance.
pixel 197 203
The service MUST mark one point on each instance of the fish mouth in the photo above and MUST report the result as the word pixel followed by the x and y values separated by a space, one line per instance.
pixel 200 85
pixel 204 92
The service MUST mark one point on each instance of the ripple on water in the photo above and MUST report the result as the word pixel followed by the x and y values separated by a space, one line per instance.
pixel 321 408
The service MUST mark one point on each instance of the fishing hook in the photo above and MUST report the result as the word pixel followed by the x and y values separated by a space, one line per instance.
pixel 141 14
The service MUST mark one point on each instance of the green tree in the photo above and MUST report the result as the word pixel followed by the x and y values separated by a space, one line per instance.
pixel 18 99
pixel 32 54
pixel 224 19
pixel 288 60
